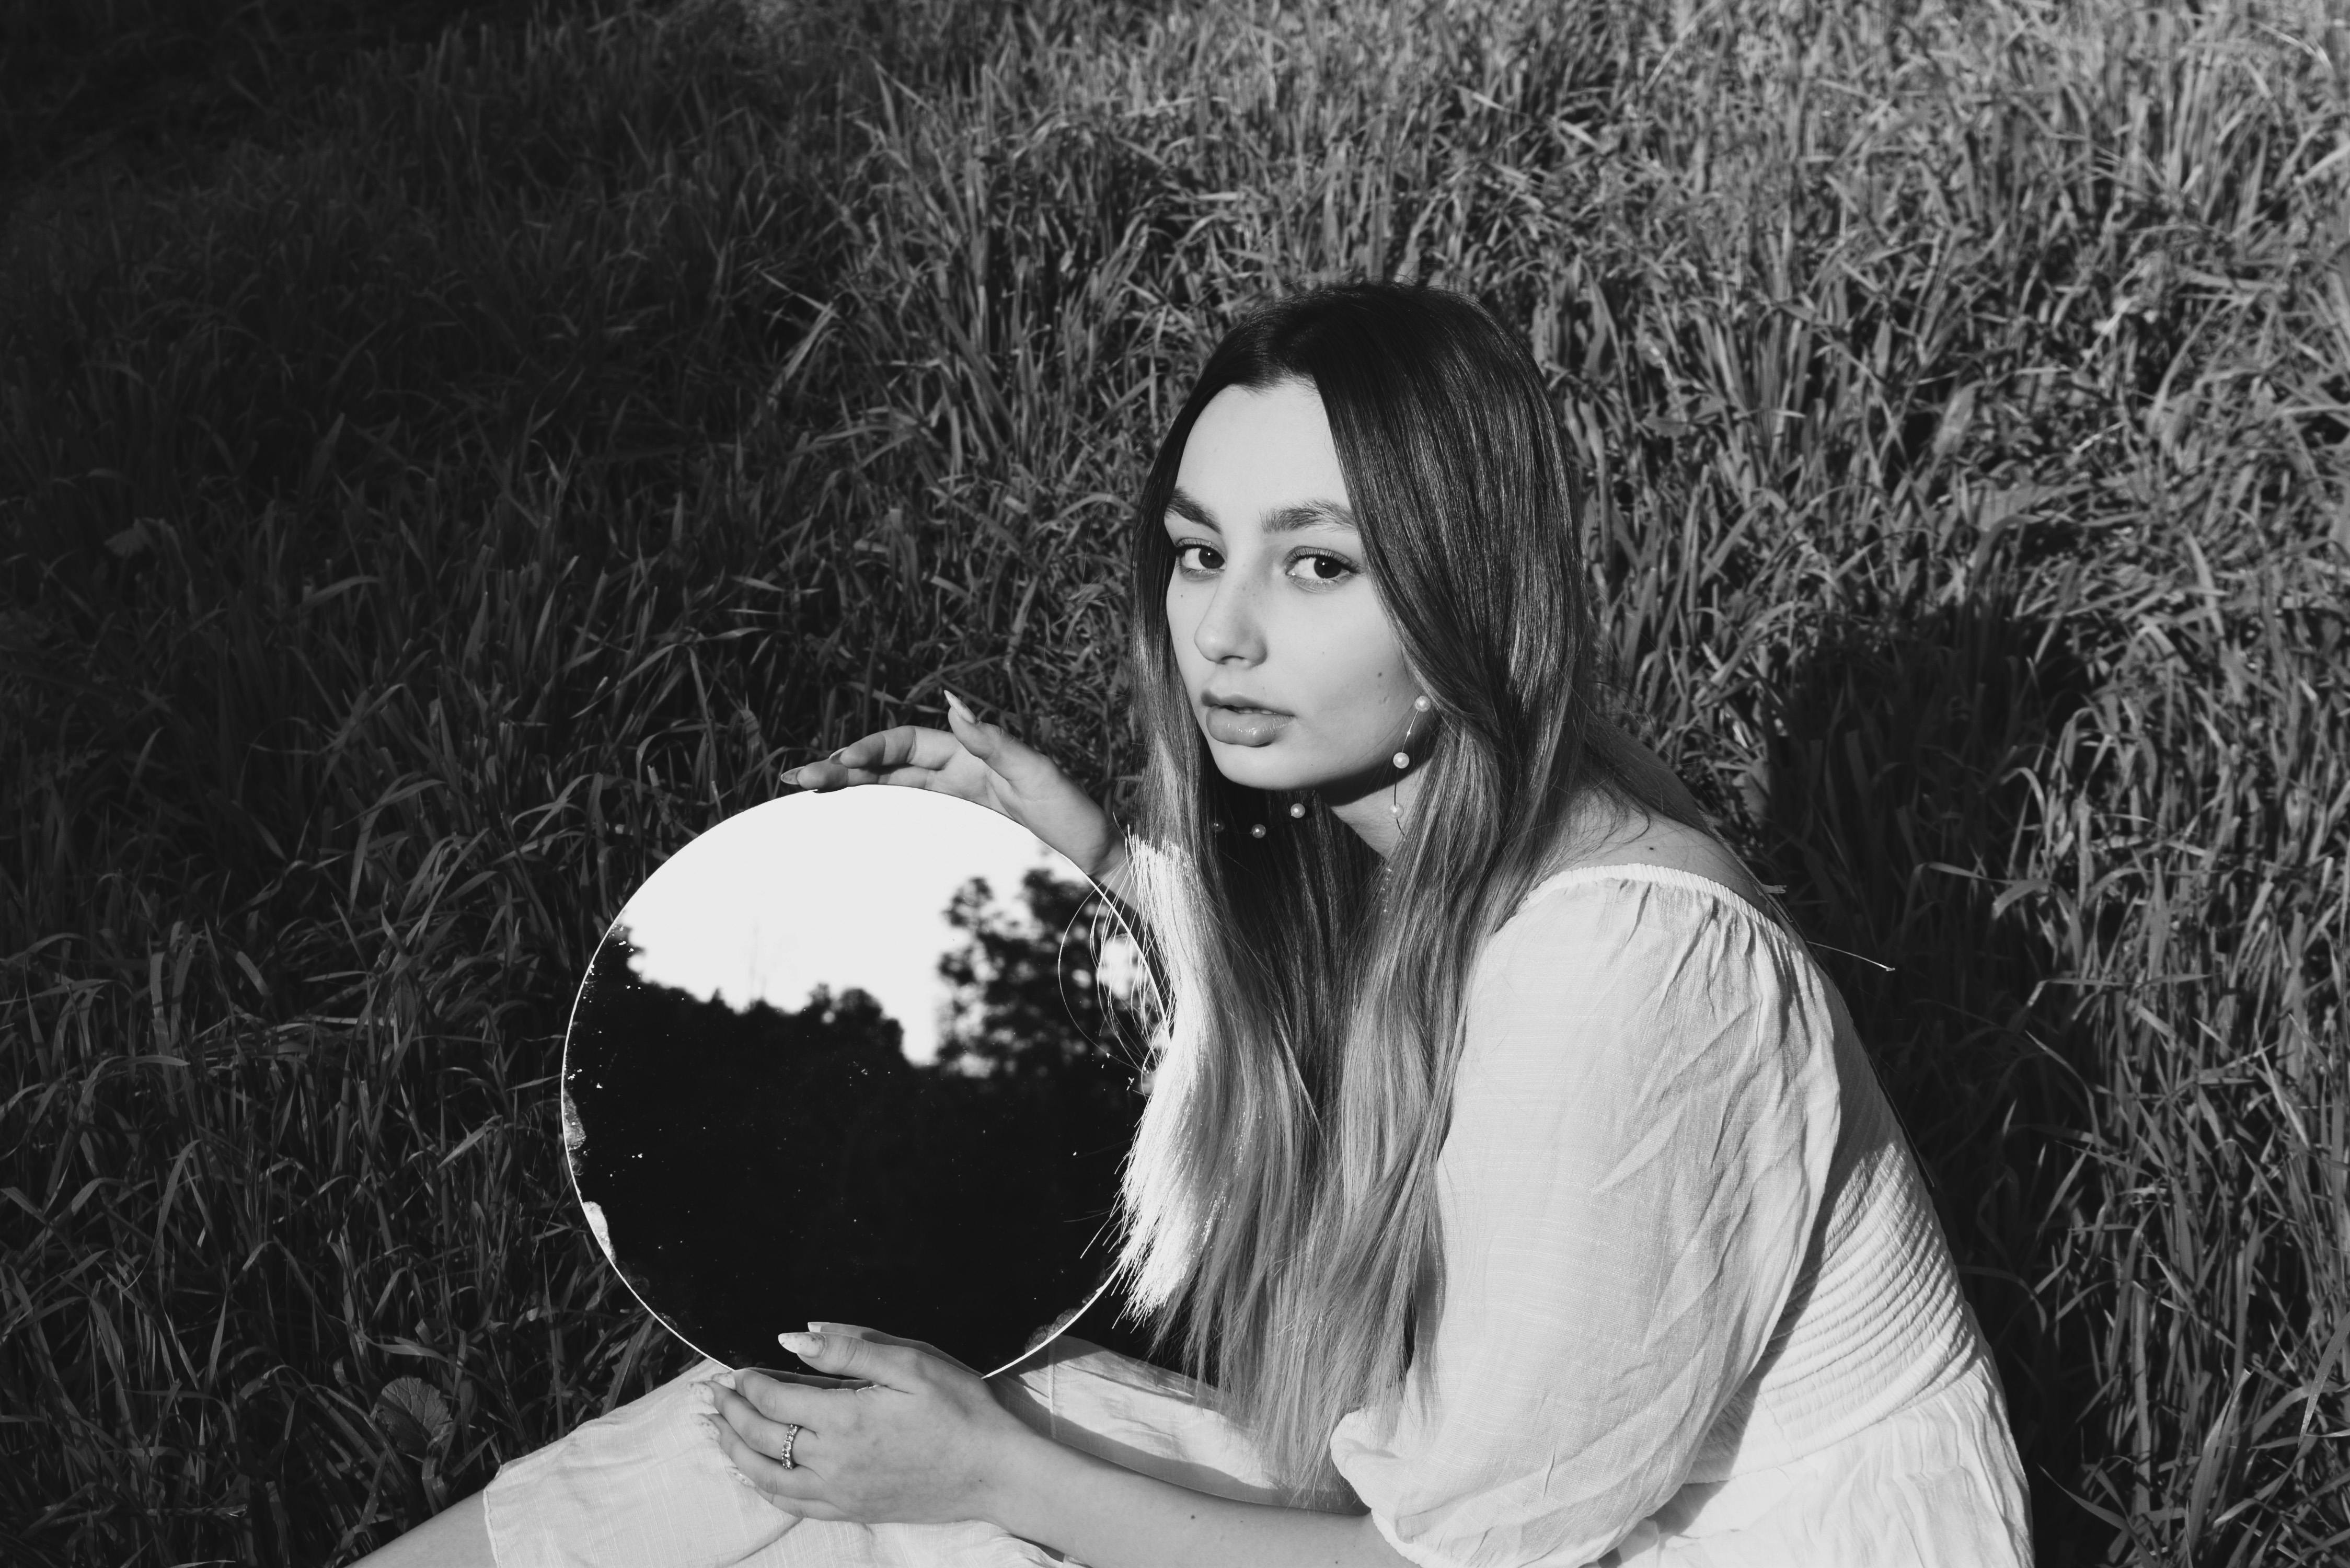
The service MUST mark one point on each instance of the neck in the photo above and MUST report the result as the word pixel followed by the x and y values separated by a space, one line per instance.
pixel 1366 803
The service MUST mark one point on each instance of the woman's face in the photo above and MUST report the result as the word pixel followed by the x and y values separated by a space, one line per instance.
pixel 1271 607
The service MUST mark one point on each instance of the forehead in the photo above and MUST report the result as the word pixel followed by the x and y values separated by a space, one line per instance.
pixel 1254 451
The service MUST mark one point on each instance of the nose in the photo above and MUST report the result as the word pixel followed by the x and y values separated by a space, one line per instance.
pixel 1230 628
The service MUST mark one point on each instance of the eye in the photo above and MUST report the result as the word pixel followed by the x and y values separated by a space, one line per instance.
pixel 1189 571
pixel 1317 559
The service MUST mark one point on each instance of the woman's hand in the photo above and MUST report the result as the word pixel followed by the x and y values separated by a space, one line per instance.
pixel 922 1441
pixel 983 763
pixel 925 1441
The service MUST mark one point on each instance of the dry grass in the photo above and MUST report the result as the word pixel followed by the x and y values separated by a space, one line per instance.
pixel 496 470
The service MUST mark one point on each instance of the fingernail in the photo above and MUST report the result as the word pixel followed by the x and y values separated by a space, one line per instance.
pixel 957 703
pixel 706 1394
pixel 819 1327
pixel 801 1344
pixel 739 1476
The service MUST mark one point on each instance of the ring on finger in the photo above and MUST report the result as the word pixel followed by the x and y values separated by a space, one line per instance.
pixel 790 1437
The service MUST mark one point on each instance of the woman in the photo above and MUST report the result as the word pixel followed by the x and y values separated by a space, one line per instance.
pixel 1524 1190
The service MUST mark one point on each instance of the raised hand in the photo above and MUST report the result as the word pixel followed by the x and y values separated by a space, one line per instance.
pixel 983 763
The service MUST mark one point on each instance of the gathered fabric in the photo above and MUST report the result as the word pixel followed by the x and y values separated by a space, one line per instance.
pixel 1696 1308
pixel 1694 1286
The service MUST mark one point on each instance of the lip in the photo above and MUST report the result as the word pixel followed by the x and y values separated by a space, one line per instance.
pixel 1214 700
pixel 1242 727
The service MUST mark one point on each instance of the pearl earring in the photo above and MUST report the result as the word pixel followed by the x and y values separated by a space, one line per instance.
pixel 1403 759
pixel 1420 705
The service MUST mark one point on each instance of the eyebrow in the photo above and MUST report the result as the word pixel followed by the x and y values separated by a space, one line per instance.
pixel 1287 520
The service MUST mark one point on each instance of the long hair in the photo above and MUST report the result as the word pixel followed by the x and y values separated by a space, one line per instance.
pixel 1280 1197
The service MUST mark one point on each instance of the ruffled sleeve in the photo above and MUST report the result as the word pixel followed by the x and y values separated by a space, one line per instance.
pixel 1638 1155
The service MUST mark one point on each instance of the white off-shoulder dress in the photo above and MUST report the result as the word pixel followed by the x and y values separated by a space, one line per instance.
pixel 1697 1308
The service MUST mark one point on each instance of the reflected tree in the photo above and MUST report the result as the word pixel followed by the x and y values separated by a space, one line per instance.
pixel 1045 1042
pixel 758 1167
pixel 1030 992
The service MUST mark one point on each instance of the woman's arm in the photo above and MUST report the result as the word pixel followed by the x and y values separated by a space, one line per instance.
pixel 456 1537
pixel 982 763
pixel 1642 1133
pixel 922 1439
pixel 1115 876
pixel 1108 1517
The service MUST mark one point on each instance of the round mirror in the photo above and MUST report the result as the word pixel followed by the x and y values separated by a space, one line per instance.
pixel 870 1056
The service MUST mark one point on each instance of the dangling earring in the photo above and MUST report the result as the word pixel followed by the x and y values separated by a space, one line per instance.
pixel 1419 706
pixel 1403 759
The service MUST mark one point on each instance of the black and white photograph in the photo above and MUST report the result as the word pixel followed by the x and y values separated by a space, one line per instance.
pixel 1175 783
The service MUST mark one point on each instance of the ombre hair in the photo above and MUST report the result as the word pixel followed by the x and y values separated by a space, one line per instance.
pixel 1280 1198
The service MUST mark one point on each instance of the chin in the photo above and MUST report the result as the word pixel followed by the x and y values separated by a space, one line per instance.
pixel 1251 768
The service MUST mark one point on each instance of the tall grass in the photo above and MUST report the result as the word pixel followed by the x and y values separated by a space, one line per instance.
pixel 499 467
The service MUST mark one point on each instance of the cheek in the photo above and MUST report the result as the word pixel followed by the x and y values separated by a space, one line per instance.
pixel 1363 659
pixel 1182 617
pixel 1352 689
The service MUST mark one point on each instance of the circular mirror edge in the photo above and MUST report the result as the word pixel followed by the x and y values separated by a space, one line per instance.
pixel 1118 910
pixel 569 1120
pixel 1068 1321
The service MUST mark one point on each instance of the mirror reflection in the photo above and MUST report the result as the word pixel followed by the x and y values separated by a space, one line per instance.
pixel 865 1056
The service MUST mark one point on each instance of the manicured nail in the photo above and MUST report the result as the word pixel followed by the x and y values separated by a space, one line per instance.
pixel 962 708
pixel 801 1344
pixel 739 1476
pixel 707 1395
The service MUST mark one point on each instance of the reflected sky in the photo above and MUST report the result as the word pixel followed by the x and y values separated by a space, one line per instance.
pixel 866 860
